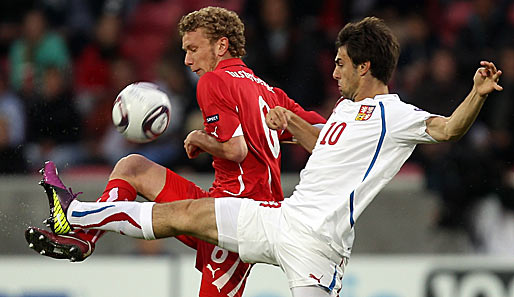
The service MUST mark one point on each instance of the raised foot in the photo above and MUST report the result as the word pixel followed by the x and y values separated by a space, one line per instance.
pixel 59 199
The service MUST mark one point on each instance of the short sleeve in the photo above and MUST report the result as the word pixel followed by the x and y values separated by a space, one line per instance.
pixel 408 124
pixel 220 113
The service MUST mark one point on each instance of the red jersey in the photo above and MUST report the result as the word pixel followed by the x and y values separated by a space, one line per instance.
pixel 235 102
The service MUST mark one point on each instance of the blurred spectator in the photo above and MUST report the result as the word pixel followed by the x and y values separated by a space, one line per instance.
pixel 76 19
pixel 149 30
pixel 11 12
pixel 54 125
pixel 33 52
pixel 12 130
pixel 449 18
pixel 440 90
pixel 71 18
pixel 92 67
pixel 484 31
pixel 499 116
pixel 285 54
pixel 417 45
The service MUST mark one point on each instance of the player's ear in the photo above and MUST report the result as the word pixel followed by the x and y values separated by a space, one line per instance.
pixel 222 46
pixel 363 68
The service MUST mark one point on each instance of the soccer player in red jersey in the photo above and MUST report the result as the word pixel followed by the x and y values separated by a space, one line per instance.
pixel 246 153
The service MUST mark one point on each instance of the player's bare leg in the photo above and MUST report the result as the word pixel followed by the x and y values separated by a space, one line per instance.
pixel 190 217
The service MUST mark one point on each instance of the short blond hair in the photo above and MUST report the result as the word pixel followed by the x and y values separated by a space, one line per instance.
pixel 217 22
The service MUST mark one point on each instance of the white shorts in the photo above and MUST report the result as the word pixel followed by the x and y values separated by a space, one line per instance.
pixel 227 212
pixel 263 235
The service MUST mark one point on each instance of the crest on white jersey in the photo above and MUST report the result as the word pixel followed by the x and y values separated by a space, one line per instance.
pixel 365 112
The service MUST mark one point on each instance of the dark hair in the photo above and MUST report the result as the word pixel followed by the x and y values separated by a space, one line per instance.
pixel 217 22
pixel 371 40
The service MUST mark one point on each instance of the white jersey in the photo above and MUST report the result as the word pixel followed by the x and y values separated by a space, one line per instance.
pixel 360 149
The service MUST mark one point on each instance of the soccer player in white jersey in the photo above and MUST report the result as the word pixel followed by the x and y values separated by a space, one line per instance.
pixel 368 137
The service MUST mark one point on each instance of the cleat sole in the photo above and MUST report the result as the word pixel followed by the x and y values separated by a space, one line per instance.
pixel 46 247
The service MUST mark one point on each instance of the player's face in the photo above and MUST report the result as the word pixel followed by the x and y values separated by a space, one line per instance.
pixel 200 53
pixel 346 74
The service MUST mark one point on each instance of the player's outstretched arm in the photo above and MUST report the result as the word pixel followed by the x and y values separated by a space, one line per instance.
pixel 454 127
pixel 280 118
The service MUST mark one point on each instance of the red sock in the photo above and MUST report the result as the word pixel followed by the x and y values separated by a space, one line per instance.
pixel 116 190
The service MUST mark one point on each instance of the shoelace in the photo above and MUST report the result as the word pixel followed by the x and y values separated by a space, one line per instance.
pixel 73 195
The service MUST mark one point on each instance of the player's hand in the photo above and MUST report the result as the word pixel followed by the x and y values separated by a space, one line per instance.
pixel 486 78
pixel 192 150
pixel 278 118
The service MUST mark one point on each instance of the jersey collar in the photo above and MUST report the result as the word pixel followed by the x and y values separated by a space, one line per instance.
pixel 230 62
pixel 387 96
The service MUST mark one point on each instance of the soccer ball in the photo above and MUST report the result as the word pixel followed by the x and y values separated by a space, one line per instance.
pixel 141 112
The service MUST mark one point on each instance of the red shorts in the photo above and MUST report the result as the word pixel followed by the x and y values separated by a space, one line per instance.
pixel 223 273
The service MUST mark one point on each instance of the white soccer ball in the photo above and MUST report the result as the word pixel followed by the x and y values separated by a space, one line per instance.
pixel 141 112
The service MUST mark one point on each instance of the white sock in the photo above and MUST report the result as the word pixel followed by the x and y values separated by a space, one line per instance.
pixel 132 218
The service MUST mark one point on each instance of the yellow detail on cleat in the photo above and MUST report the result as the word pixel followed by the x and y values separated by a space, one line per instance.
pixel 61 225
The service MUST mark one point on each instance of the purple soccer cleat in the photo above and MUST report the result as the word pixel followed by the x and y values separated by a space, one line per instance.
pixel 58 246
pixel 59 198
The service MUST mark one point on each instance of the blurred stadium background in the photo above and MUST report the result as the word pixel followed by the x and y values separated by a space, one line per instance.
pixel 444 227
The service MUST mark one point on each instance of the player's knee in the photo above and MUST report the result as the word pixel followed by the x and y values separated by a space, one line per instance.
pixel 130 167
